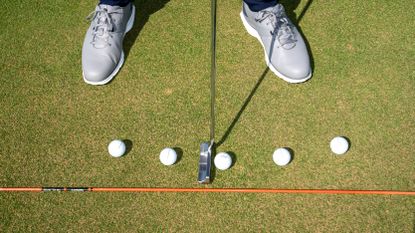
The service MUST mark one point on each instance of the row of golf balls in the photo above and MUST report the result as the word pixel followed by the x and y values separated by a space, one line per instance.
pixel 223 161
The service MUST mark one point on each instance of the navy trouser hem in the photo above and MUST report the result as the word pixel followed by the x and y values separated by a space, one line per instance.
pixel 254 5
pixel 258 5
pixel 120 3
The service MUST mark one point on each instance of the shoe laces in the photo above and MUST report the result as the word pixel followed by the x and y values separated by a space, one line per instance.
pixel 282 27
pixel 103 27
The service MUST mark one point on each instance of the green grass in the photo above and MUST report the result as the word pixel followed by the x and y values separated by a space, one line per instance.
pixel 54 129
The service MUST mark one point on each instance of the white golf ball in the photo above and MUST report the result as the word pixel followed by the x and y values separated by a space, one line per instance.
pixel 281 156
pixel 168 156
pixel 116 148
pixel 223 161
pixel 339 145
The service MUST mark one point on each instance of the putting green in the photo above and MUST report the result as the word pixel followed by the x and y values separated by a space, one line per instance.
pixel 54 129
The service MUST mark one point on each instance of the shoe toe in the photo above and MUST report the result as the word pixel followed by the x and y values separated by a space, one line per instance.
pixel 97 72
pixel 297 72
pixel 292 64
pixel 94 76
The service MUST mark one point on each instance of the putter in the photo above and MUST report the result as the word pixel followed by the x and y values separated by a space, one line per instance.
pixel 207 149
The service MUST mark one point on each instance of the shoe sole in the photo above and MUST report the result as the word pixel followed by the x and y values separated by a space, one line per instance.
pixel 129 26
pixel 255 34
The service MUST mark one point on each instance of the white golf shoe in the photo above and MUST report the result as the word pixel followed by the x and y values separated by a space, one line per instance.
pixel 102 51
pixel 285 51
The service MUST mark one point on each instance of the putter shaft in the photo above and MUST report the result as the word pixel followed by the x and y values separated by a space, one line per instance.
pixel 206 148
pixel 213 73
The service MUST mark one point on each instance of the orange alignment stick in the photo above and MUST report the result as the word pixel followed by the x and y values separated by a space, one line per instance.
pixel 205 190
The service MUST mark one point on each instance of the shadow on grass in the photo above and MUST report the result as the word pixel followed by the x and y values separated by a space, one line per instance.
pixel 239 114
pixel 179 153
pixel 128 146
pixel 233 156
pixel 292 154
pixel 350 144
pixel 290 6
pixel 144 8
pixel 213 167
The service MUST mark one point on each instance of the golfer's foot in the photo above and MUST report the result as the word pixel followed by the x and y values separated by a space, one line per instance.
pixel 102 52
pixel 285 51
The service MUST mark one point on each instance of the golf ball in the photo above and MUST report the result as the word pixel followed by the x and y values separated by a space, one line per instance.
pixel 168 156
pixel 339 145
pixel 116 148
pixel 223 161
pixel 281 156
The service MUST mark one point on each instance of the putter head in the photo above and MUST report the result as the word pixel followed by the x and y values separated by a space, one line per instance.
pixel 205 163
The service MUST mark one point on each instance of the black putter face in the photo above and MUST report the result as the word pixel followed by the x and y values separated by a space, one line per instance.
pixel 204 163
